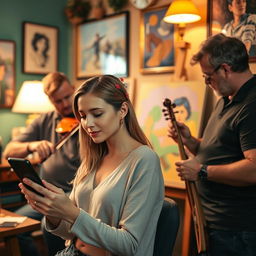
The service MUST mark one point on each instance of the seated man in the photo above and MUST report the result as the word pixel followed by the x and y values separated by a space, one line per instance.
pixel 59 166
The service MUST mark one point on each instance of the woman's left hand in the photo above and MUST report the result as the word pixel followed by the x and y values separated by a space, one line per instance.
pixel 53 202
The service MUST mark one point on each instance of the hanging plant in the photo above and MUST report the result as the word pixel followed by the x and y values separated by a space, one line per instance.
pixel 117 5
pixel 77 11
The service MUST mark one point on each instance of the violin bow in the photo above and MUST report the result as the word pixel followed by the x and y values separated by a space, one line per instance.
pixel 59 144
pixel 66 137
pixel 193 197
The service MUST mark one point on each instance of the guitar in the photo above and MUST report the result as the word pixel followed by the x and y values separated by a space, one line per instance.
pixel 193 197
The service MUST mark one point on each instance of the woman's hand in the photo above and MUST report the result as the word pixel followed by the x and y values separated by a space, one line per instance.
pixel 54 203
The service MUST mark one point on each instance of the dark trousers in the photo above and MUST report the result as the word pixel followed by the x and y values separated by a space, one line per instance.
pixel 232 243
pixel 26 242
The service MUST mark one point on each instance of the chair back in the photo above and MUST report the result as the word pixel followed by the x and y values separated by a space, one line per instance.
pixel 167 228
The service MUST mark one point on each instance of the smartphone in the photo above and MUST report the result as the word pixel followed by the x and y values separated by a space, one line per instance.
pixel 8 224
pixel 24 169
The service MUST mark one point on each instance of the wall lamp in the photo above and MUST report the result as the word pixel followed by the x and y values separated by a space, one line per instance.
pixel 181 12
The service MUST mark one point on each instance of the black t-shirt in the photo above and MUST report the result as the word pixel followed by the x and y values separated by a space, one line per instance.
pixel 230 131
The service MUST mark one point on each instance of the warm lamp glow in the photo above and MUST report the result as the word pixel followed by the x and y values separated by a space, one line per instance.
pixel 182 11
pixel 32 99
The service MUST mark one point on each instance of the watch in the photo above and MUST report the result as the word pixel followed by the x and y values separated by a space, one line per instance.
pixel 141 4
pixel 203 174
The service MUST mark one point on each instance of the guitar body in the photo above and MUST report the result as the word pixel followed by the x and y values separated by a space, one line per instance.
pixel 193 197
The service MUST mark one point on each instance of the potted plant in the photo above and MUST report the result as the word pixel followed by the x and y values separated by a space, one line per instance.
pixel 77 10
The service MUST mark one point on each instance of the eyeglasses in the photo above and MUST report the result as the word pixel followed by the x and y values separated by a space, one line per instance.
pixel 208 77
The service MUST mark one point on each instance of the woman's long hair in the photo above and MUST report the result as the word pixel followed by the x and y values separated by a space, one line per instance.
pixel 112 90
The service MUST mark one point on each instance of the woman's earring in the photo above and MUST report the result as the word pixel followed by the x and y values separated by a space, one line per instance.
pixel 121 121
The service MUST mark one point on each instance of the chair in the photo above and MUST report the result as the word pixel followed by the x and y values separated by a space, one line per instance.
pixel 167 228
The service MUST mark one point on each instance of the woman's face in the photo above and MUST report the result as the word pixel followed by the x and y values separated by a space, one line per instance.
pixel 238 7
pixel 98 118
pixel 182 113
pixel 41 44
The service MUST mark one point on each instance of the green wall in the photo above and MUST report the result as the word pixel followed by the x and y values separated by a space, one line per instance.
pixel 12 15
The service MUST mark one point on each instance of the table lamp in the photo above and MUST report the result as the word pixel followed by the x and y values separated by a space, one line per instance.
pixel 181 12
pixel 32 100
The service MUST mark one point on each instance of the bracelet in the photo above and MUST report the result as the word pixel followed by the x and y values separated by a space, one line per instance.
pixel 28 150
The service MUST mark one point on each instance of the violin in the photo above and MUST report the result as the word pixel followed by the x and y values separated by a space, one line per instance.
pixel 66 125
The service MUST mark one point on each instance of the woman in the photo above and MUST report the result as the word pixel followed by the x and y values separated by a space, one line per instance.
pixel 118 190
pixel 40 45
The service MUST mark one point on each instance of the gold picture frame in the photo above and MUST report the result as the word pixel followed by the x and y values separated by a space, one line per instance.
pixel 7 73
pixel 156 42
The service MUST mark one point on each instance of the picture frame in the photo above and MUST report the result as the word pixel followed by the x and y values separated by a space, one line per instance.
pixel 102 46
pixel 40 48
pixel 220 19
pixel 189 99
pixel 7 73
pixel 156 42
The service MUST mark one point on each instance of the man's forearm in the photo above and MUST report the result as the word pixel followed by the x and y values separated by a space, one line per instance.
pixel 16 149
pixel 193 144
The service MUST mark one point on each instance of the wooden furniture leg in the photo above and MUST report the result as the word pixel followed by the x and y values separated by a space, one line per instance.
pixel 12 246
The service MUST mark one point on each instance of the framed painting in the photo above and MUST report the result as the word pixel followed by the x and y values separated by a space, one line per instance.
pixel 234 18
pixel 103 47
pixel 156 42
pixel 7 73
pixel 189 99
pixel 40 48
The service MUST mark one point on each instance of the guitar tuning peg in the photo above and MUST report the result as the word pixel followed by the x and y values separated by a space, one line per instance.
pixel 173 105
pixel 175 112
pixel 164 110
pixel 166 114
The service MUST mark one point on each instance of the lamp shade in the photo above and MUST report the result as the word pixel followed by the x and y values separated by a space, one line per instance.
pixel 182 11
pixel 32 99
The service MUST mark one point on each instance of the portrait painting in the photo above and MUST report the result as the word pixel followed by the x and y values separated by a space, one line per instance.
pixel 7 73
pixel 102 47
pixel 156 42
pixel 189 99
pixel 40 54
pixel 235 18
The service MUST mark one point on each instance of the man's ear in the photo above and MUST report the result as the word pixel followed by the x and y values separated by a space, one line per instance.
pixel 227 68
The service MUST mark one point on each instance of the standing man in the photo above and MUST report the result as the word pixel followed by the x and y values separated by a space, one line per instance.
pixel 224 160
pixel 60 166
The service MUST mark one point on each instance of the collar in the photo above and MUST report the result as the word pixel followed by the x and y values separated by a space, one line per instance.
pixel 243 91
